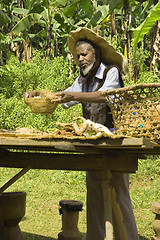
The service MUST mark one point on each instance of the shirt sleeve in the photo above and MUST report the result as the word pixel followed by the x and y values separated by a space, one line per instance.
pixel 75 87
pixel 112 80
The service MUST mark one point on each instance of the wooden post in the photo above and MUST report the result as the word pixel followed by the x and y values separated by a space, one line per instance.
pixel 70 215
pixel 111 203
pixel 156 222
pixel 107 204
pixel 117 210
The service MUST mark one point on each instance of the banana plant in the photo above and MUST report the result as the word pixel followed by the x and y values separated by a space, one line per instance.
pixel 58 17
pixel 145 26
pixel 36 12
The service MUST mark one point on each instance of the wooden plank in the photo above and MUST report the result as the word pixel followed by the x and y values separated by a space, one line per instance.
pixel 128 143
pixel 14 179
pixel 112 161
pixel 106 185
pixel 72 145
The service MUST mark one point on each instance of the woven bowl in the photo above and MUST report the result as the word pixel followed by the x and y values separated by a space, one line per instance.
pixel 136 110
pixel 41 105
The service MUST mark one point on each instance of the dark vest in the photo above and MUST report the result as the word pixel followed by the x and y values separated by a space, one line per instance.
pixel 100 112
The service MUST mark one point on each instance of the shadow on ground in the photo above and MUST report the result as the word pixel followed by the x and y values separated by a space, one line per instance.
pixel 31 236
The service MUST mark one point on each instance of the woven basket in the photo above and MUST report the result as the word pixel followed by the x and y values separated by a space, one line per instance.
pixel 41 105
pixel 136 110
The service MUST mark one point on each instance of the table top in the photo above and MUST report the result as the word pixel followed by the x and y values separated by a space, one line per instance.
pixel 78 145
pixel 91 146
pixel 120 154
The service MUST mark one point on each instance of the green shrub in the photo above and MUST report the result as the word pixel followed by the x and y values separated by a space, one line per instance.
pixel 17 78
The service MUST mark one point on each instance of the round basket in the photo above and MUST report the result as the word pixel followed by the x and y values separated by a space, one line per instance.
pixel 41 105
pixel 136 110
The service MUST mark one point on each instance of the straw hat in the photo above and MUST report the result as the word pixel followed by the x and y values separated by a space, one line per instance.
pixel 109 55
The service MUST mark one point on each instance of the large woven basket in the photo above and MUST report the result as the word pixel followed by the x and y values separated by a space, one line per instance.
pixel 136 110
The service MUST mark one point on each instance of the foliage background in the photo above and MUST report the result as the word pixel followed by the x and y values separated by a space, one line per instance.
pixel 16 78
pixel 34 55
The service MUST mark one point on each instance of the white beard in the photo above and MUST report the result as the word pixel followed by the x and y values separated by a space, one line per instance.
pixel 87 69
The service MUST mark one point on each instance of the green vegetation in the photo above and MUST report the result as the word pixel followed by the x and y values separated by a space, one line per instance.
pixel 53 74
pixel 17 78
pixel 45 188
pixel 33 55
pixel 44 25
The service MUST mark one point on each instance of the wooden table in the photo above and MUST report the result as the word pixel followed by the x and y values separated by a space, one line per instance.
pixel 104 154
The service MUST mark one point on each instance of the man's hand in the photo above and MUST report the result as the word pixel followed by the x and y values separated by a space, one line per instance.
pixel 31 94
pixel 64 97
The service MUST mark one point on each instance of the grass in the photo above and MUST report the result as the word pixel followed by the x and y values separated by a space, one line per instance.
pixel 45 188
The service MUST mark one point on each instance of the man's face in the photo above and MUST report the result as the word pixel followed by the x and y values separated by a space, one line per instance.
pixel 86 57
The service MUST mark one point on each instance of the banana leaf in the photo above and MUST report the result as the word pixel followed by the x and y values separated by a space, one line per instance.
pixel 144 28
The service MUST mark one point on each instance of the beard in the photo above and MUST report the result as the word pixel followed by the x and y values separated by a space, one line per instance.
pixel 86 69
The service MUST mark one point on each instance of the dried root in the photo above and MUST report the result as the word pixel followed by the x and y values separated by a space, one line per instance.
pixel 76 128
pixel 82 127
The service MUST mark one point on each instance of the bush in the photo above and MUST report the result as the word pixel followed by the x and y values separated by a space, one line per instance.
pixel 17 78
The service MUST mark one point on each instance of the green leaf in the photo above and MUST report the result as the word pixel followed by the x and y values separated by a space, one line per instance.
pixel 87 7
pixel 45 3
pixel 58 17
pixel 4 18
pixel 61 2
pixel 22 11
pixel 144 28
pixel 17 39
pixel 113 4
pixel 100 15
pixel 26 22
pixel 37 8
pixel 95 19
pixel 70 10
pixel 148 4
pixel 104 11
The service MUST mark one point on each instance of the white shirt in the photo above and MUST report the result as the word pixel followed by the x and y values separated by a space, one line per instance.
pixel 111 82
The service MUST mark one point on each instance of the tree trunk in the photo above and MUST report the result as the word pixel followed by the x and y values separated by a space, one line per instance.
pixel 127 51
pixel 113 25
pixel 155 58
pixel 49 36
pixel 27 51
pixel 126 25
pixel 20 3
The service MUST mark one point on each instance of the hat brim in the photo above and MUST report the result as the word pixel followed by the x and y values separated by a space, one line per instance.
pixel 108 54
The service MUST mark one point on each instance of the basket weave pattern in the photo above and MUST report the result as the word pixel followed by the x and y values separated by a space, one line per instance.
pixel 41 105
pixel 136 110
pixel 44 104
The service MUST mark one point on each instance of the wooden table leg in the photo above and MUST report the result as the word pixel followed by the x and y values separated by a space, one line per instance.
pixel 14 179
pixel 107 205
pixel 116 209
pixel 111 203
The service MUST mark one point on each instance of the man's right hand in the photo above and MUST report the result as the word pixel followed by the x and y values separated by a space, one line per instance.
pixel 31 94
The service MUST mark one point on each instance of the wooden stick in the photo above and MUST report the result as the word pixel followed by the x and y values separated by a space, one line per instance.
pixel 14 179
pixel 117 210
pixel 107 205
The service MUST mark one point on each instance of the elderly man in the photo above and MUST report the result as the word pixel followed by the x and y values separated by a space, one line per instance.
pixel 100 66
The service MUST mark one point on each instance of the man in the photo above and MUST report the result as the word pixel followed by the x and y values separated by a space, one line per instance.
pixel 99 63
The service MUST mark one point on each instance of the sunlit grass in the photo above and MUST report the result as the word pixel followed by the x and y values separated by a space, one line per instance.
pixel 45 188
